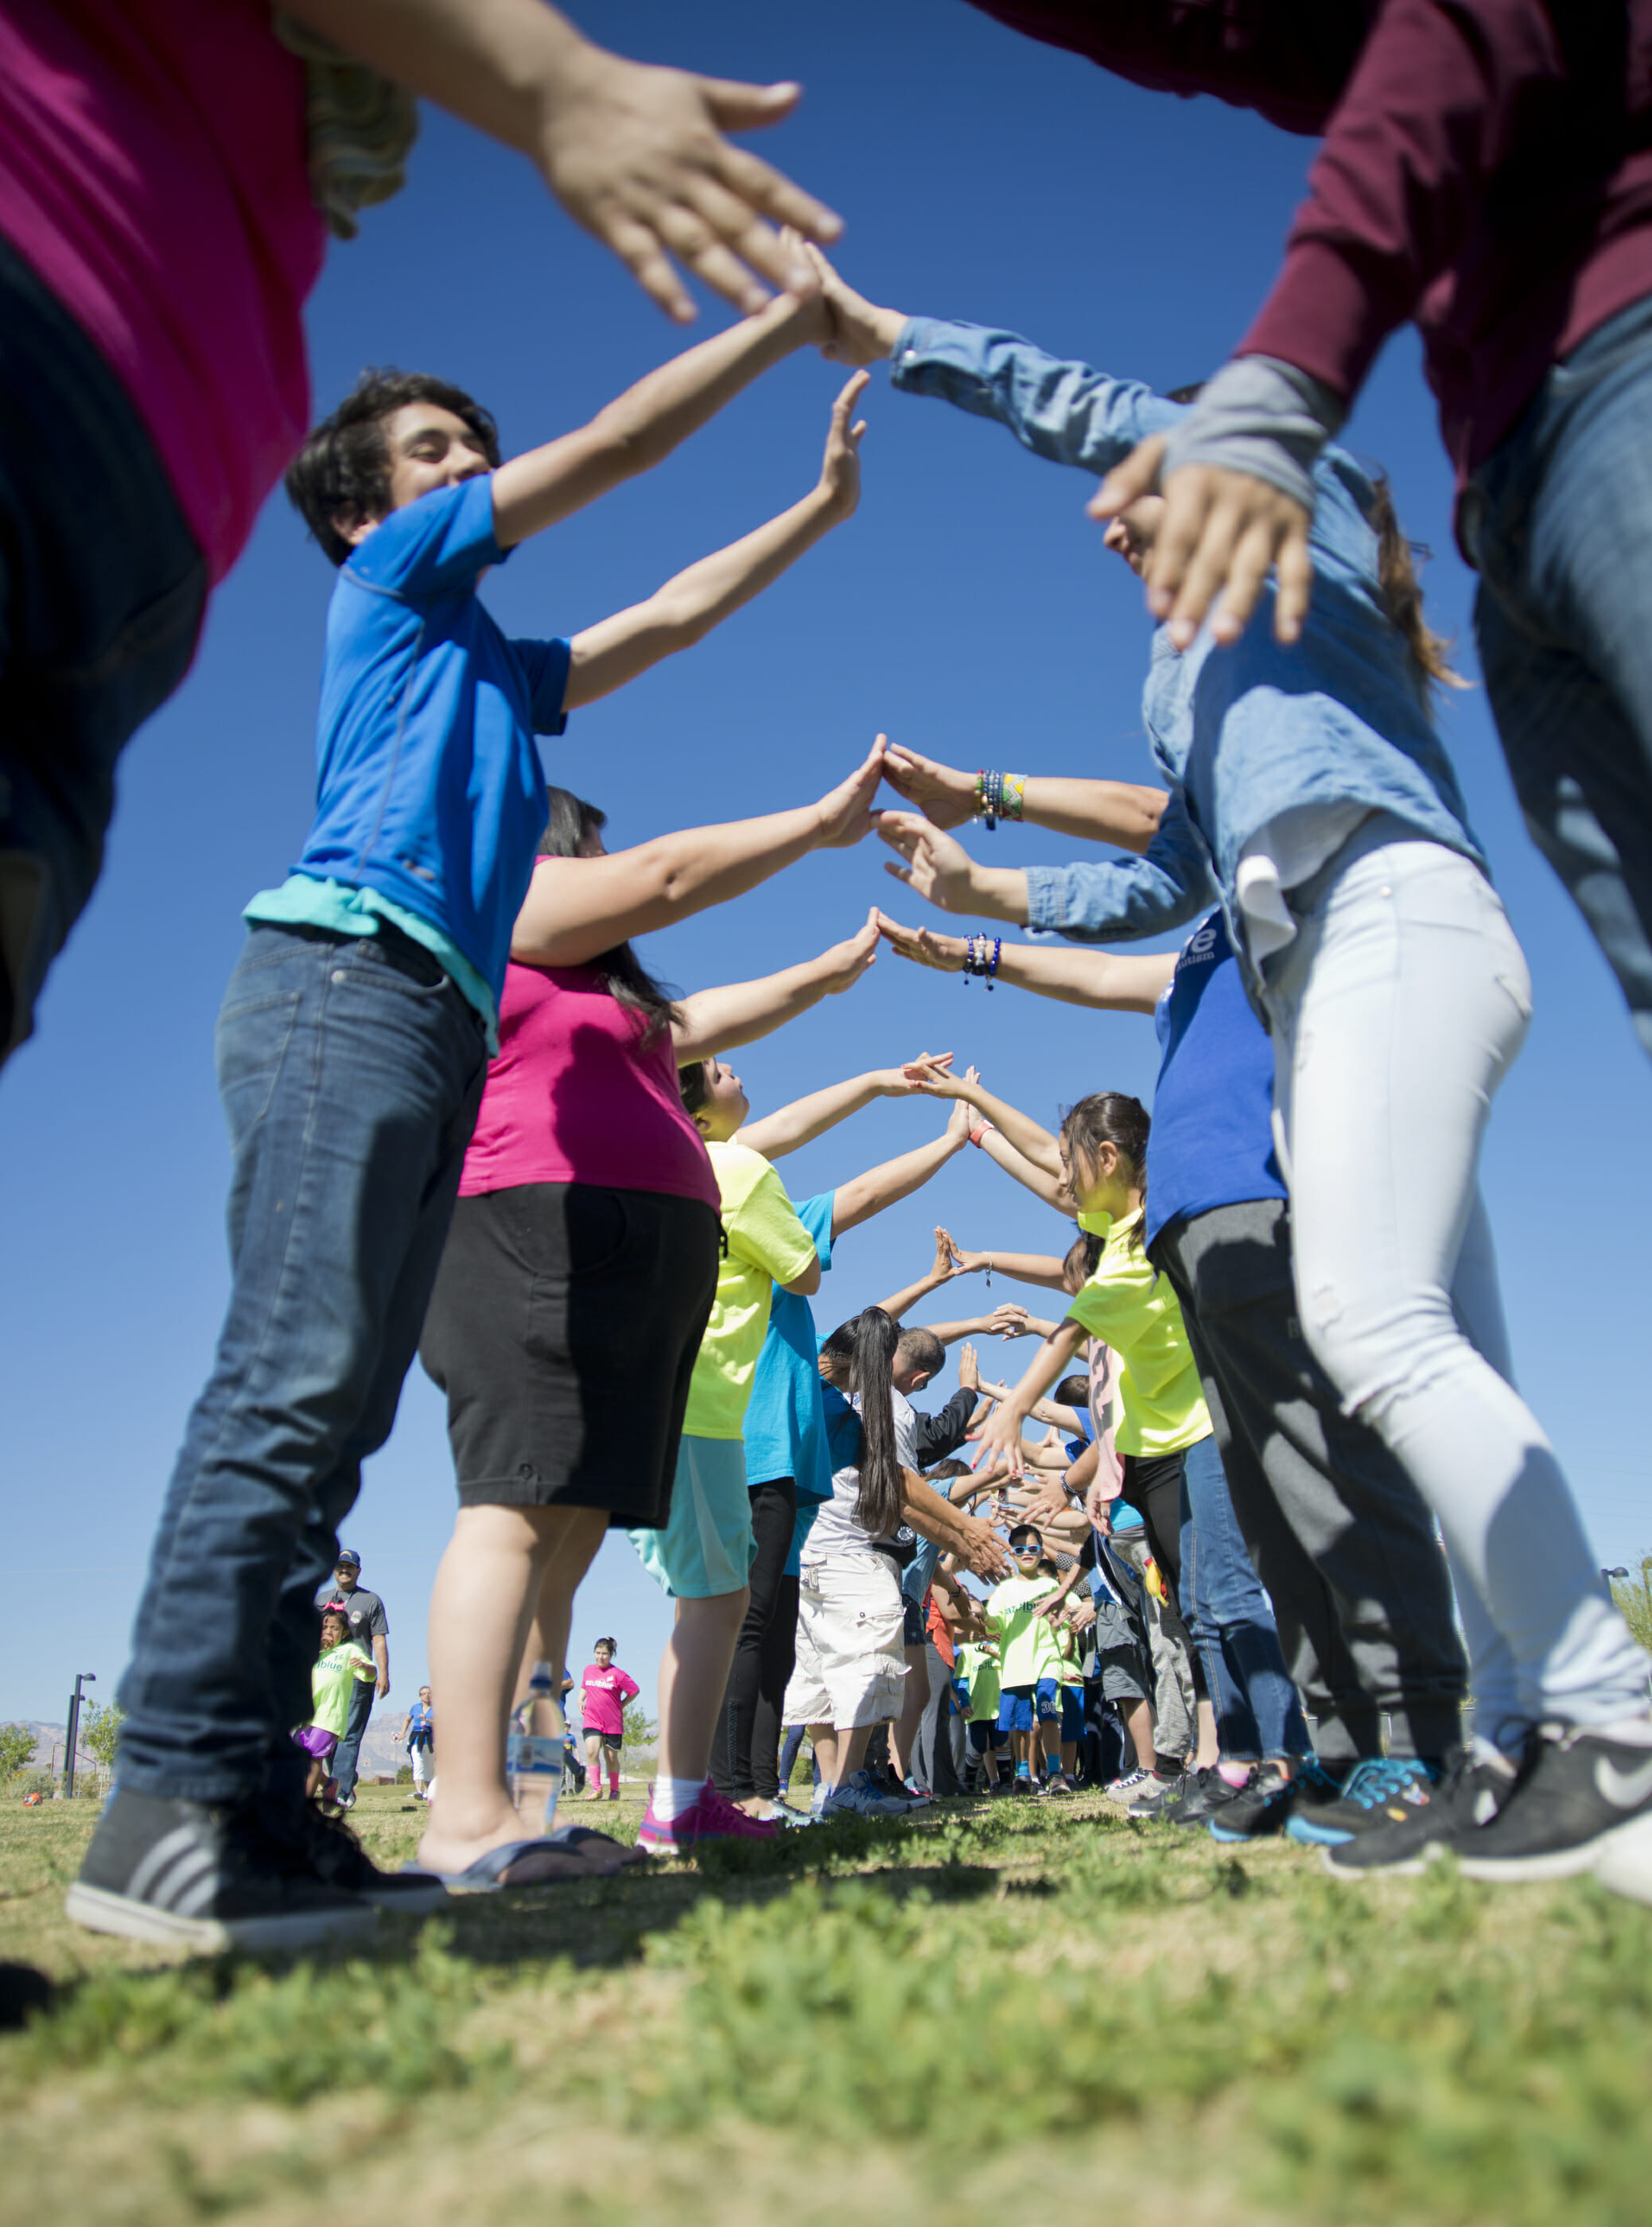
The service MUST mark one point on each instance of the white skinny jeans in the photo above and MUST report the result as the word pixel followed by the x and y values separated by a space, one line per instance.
pixel 1395 1013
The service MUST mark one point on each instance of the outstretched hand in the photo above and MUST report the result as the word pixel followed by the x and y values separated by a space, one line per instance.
pixel 1010 1321
pixel 840 468
pixel 930 1072
pixel 942 793
pixel 922 945
pixel 860 332
pixel 936 867
pixel 845 811
pixel 844 963
pixel 946 1266
pixel 999 1440
pixel 635 154
pixel 1221 531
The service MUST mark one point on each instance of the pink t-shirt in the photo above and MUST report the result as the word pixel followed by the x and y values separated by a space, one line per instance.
pixel 576 1097
pixel 602 1697
pixel 153 174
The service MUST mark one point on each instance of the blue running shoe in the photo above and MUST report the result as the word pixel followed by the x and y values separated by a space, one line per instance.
pixel 1386 1791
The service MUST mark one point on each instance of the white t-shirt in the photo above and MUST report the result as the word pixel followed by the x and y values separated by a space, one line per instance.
pixel 1289 851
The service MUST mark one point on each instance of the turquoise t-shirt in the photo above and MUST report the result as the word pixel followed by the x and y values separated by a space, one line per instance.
pixel 785 1425
pixel 344 911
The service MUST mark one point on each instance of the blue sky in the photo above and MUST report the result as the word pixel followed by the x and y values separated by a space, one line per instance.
pixel 969 610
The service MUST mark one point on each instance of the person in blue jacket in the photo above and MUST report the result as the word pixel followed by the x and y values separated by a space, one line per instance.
pixel 1311 797
pixel 352 1048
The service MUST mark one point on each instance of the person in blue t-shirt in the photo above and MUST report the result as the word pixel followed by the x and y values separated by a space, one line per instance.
pixel 352 1048
pixel 788 1463
pixel 1338 1533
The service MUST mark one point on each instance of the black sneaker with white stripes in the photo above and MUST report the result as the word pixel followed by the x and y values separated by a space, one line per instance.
pixel 326 1846
pixel 1583 1804
pixel 205 1876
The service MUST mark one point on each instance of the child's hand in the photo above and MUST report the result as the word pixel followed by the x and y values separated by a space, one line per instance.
pixel 636 155
pixel 922 946
pixel 942 793
pixel 1010 1321
pixel 969 1374
pixel 859 333
pixel 840 471
pixel 845 812
pixel 946 1251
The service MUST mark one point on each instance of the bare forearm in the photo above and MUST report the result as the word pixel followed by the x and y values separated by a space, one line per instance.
pixel 950 1332
pixel 1033 1143
pixel 686 609
pixel 1042 1185
pixel 897 1305
pixel 790 1127
pixel 868 1194
pixel 741 1012
pixel 576 908
pixel 1046 1365
pixel 1041 1268
pixel 1116 812
pixel 1087 978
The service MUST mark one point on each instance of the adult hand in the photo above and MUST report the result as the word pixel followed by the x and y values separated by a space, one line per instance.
pixel 1096 1508
pixel 845 812
pixel 636 155
pixel 930 1072
pixel 383 1686
pixel 1082 1617
pixel 940 868
pixel 962 1119
pixel 969 1373
pixel 945 1266
pixel 1220 530
pixel 1010 1321
pixel 943 794
pixel 999 1440
pixel 840 468
pixel 844 963
pixel 860 333
pixel 922 946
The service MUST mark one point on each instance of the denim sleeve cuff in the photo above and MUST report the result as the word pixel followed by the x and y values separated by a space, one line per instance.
pixel 1047 897
pixel 919 337
pixel 1261 417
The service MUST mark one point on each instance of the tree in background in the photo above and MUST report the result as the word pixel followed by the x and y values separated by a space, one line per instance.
pixel 16 1746
pixel 100 1724
pixel 640 1730
pixel 1634 1598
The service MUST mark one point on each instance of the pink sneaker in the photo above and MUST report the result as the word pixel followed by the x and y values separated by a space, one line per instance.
pixel 711 1818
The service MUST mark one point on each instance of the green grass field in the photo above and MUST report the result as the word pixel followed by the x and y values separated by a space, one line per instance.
pixel 1030 2005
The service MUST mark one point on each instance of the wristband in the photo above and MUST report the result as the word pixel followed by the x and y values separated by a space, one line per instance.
pixel 1015 794
pixel 978 1133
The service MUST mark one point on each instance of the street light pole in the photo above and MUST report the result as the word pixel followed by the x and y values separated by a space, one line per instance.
pixel 84 1678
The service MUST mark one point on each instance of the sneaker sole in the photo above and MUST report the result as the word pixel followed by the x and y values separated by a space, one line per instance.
pixel 406 1902
pixel 1621 1852
pixel 1407 1867
pixel 1310 1836
pixel 101 1912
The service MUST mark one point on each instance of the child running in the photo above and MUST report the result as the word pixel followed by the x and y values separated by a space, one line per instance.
pixel 605 1692
pixel 341 1663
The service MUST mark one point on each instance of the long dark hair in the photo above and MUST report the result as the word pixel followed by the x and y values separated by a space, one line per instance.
pixel 1109 1117
pixel 1402 594
pixel 627 980
pixel 872 1374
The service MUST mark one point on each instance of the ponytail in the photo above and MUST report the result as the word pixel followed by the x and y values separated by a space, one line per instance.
pixel 872 1374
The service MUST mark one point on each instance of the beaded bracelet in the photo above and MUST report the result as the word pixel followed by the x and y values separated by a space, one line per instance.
pixel 976 960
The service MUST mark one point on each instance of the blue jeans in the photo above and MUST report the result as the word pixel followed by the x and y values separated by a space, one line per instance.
pixel 1558 520
pixel 102 591
pixel 350 1070
pixel 347 1755
pixel 1232 1621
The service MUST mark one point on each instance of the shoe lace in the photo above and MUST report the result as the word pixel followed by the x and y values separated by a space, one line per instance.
pixel 1378 1779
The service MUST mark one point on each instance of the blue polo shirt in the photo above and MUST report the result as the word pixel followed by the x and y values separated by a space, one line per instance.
pixel 785 1425
pixel 1212 1138
pixel 429 792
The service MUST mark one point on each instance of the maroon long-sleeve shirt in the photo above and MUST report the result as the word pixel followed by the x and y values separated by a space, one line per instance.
pixel 1486 172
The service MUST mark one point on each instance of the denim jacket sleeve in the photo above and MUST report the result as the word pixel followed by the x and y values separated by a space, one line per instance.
pixel 1065 411
pixel 1127 899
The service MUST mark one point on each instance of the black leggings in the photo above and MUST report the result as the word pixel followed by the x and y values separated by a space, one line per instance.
pixel 1152 1486
pixel 745 1753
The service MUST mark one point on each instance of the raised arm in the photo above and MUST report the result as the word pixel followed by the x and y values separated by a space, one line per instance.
pixel 740 1012
pixel 1117 812
pixel 644 424
pixel 790 1127
pixel 686 609
pixel 1000 1436
pixel 1134 984
pixel 635 153
pixel 1111 902
pixel 1046 1269
pixel 972 1540
pixel 576 908
pixel 1024 1133
pixel 866 1195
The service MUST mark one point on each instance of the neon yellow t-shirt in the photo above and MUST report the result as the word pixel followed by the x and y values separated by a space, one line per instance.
pixel 765 1245
pixel 1136 1311
pixel 330 1682
pixel 1029 1650
pixel 980 1671
pixel 1071 1670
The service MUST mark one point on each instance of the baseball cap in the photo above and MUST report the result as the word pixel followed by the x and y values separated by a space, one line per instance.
pixel 346 1554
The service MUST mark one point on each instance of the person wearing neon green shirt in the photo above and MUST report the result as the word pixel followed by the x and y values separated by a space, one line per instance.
pixel 1028 1658
pixel 341 1663
pixel 1097 1168
pixel 978 1685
